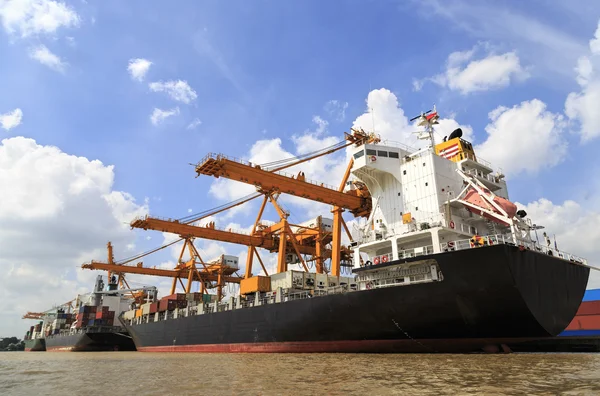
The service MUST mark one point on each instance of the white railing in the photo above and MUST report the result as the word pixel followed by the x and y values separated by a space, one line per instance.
pixel 487 176
pixel 490 240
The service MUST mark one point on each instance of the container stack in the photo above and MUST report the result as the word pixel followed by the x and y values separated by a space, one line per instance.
pixel 104 317
pixel 587 320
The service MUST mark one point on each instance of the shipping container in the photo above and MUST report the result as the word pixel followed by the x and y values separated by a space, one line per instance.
pixel 589 308
pixel 154 307
pixel 254 284
pixel 138 313
pixel 145 308
pixel 585 322
pixel 592 295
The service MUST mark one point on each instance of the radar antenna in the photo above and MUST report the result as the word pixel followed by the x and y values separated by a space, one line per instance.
pixel 427 119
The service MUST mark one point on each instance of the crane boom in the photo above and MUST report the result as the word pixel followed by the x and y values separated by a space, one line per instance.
pixel 129 269
pixel 269 181
pixel 206 232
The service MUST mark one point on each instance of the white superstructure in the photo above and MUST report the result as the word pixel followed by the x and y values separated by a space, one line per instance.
pixel 426 201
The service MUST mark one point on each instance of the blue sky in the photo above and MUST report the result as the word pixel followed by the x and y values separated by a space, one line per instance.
pixel 262 70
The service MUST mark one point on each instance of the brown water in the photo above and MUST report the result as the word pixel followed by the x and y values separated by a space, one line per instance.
pixel 134 373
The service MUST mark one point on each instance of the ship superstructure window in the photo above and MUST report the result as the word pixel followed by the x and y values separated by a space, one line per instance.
pixel 404 172
pixel 393 155
pixel 359 154
pixel 371 152
pixel 382 153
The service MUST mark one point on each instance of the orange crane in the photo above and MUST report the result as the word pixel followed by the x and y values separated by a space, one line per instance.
pixel 211 274
pixel 277 237
pixel 273 181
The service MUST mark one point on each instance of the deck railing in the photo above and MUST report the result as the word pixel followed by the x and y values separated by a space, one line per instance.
pixel 490 240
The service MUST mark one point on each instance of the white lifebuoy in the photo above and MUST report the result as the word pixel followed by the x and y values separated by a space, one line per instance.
pixel 384 259
pixel 451 224
pixel 376 260
pixel 373 158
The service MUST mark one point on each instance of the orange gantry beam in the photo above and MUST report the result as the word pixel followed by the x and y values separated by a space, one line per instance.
pixel 269 181
pixel 183 273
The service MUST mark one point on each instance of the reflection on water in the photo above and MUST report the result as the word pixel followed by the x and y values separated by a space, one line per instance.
pixel 134 373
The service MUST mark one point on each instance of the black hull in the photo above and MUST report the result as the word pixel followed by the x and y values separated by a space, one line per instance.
pixel 90 342
pixel 560 344
pixel 489 296
pixel 36 345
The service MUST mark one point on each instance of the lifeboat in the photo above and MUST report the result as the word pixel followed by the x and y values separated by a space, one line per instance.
pixel 474 198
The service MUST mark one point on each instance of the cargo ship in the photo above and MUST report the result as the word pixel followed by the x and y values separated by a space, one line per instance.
pixel 34 339
pixel 581 335
pixel 92 326
pixel 444 262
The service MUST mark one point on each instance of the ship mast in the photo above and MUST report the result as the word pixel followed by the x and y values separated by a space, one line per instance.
pixel 427 119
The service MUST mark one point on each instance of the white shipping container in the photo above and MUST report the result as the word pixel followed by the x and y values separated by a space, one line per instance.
pixel 129 314
pixel 231 261
pixel 321 281
pixel 145 309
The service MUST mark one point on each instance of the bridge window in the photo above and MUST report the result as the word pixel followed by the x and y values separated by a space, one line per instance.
pixel 359 154
pixel 393 155
pixel 371 152
pixel 382 153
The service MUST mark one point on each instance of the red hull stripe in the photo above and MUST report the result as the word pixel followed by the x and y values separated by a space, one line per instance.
pixel 335 346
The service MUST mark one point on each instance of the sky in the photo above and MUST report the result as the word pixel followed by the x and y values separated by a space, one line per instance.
pixel 104 106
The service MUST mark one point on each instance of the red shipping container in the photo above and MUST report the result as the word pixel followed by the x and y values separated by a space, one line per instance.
pixel 105 309
pixel 111 314
pixel 589 308
pixel 154 307
pixel 170 297
pixel 99 315
pixel 585 322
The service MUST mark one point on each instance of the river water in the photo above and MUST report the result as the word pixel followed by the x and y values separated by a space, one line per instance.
pixel 134 373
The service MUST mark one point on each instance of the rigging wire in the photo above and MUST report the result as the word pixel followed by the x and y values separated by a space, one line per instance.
pixel 132 258
pixel 289 160
pixel 200 215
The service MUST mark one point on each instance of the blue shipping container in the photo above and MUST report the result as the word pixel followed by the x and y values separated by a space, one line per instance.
pixel 591 295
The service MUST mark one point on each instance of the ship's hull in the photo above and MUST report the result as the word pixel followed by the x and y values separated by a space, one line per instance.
pixel 35 345
pixel 488 297
pixel 90 342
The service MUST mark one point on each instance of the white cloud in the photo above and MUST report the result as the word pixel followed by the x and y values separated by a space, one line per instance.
pixel 45 236
pixel 32 17
pixel 159 115
pixel 196 122
pixel 336 109
pixel 138 68
pixel 11 119
pixel 390 123
pixel 43 55
pixel 575 227
pixel 178 90
pixel 524 138
pixel 490 72
pixel 582 107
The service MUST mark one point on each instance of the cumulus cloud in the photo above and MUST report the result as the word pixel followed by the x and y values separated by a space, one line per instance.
pixel 158 115
pixel 43 55
pixel 582 107
pixel 56 212
pixel 385 117
pixel 524 138
pixel 33 17
pixel 467 75
pixel 575 227
pixel 178 90
pixel 138 68
pixel 11 119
